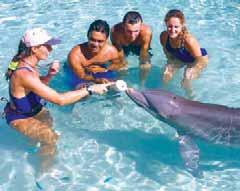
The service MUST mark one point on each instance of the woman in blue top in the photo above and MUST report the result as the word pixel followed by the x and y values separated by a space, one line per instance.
pixel 181 49
pixel 25 111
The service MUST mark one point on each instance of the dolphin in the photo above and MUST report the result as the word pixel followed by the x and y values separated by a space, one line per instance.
pixel 214 123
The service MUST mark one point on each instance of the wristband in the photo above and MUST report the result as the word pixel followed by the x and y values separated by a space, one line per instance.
pixel 89 90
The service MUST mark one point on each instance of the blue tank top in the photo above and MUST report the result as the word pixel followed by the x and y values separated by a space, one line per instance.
pixel 26 104
pixel 182 53
pixel 24 107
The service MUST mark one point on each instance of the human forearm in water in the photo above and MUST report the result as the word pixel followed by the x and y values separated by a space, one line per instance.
pixel 118 64
pixel 198 65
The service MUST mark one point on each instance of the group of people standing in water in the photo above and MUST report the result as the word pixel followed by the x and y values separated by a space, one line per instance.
pixel 92 67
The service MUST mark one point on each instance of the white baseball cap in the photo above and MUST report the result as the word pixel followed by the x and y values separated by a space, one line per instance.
pixel 38 36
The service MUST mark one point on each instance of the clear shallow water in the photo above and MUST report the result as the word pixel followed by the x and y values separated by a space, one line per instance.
pixel 110 143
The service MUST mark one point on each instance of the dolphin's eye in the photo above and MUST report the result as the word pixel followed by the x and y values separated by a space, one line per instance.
pixel 174 97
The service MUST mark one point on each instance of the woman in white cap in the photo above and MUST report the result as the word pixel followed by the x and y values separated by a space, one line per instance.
pixel 25 111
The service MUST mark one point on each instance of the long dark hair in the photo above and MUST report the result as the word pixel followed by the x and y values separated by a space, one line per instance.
pixel 23 51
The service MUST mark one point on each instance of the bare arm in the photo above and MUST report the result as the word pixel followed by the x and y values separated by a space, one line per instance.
pixel 115 38
pixel 109 54
pixel 147 37
pixel 163 40
pixel 32 82
pixel 200 61
pixel 118 61
pixel 75 62
pixel 193 47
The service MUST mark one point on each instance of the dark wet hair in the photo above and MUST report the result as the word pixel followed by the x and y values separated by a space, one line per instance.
pixel 23 51
pixel 132 17
pixel 99 26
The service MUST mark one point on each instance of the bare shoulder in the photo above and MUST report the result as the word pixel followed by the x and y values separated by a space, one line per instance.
pixel 116 28
pixel 111 48
pixel 75 50
pixel 163 37
pixel 190 40
pixel 146 30
pixel 24 74
pixel 116 34
pixel 25 77
pixel 74 54
pixel 110 51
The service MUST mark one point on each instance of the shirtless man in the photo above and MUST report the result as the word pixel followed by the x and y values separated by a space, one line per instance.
pixel 88 61
pixel 133 36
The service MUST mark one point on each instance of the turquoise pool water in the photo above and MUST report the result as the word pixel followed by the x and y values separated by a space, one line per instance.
pixel 109 143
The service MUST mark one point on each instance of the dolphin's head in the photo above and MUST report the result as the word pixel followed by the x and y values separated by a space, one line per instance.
pixel 137 97
pixel 161 102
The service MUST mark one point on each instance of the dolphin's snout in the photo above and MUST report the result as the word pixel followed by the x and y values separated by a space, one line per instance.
pixel 137 97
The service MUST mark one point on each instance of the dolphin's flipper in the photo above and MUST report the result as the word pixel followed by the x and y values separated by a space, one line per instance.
pixel 190 155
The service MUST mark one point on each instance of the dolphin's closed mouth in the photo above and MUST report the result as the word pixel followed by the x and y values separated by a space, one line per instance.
pixel 138 97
